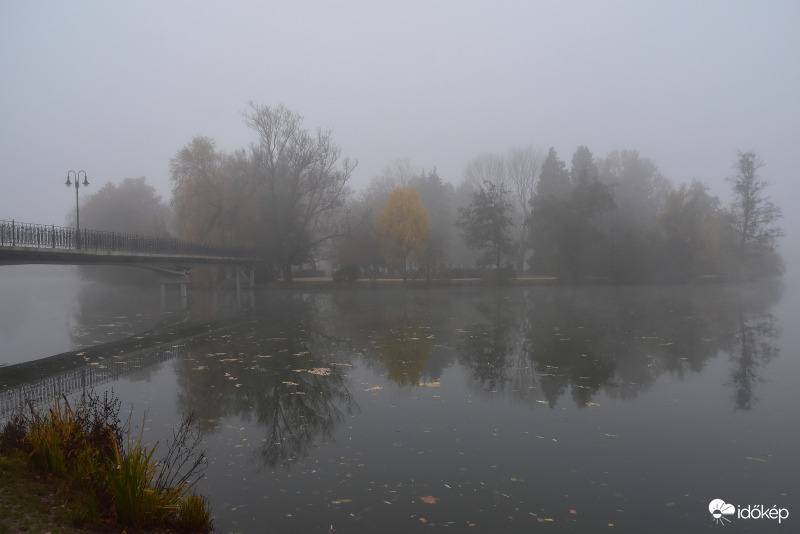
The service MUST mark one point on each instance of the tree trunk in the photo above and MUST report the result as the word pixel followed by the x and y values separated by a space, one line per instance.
pixel 287 273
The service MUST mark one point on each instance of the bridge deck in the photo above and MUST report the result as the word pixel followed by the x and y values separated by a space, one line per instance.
pixel 26 243
pixel 40 255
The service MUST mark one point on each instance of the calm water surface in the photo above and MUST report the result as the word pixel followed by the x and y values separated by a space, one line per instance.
pixel 619 409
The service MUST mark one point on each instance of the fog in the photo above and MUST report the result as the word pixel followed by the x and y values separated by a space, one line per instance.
pixel 118 89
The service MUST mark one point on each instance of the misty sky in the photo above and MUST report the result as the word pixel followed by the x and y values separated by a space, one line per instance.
pixel 118 88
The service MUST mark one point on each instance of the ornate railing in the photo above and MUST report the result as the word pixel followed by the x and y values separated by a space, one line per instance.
pixel 18 234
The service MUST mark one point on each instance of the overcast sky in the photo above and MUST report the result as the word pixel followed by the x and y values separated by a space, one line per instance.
pixel 117 88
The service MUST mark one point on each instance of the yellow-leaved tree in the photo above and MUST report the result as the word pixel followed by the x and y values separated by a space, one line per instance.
pixel 403 226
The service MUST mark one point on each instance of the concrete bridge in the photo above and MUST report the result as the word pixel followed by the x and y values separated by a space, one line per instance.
pixel 26 243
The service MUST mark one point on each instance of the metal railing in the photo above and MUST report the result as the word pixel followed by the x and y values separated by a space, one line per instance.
pixel 19 234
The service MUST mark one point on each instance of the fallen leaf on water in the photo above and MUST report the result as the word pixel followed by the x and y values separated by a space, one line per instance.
pixel 430 384
pixel 373 388
pixel 755 459
pixel 573 512
pixel 592 404
pixel 540 520
pixel 423 520
pixel 291 383
pixel 430 499
pixel 611 435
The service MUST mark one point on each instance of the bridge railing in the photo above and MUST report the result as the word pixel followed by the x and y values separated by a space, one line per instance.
pixel 20 234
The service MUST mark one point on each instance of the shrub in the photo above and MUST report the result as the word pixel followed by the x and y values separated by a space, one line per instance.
pixel 130 478
pixel 12 436
pixel 347 273
pixel 194 514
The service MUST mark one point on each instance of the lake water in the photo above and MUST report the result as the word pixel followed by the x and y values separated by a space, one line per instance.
pixel 533 409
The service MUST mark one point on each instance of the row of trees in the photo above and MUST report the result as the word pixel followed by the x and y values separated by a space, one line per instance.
pixel 616 217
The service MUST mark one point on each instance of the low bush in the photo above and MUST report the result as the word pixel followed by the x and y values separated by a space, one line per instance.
pixel 194 514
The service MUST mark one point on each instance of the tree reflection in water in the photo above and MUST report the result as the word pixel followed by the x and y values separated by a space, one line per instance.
pixel 286 372
pixel 545 342
pixel 278 370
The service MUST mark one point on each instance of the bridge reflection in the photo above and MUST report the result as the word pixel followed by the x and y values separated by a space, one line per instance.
pixel 79 380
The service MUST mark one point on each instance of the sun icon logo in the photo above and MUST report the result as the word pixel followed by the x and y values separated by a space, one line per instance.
pixel 719 509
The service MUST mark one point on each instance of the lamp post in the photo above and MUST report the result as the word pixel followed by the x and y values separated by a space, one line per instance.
pixel 77 208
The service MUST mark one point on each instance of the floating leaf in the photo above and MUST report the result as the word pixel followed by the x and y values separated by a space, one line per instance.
pixel 591 404
pixel 429 384
pixel 573 512
pixel 430 499
pixel 373 388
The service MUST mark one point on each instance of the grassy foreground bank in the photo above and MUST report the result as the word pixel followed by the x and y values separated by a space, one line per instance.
pixel 78 470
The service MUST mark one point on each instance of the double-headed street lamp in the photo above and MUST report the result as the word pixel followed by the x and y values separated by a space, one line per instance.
pixel 77 208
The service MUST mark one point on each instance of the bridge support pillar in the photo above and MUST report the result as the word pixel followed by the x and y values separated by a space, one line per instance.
pixel 249 274
pixel 173 277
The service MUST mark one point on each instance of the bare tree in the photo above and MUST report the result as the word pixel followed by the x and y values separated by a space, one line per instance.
pixel 754 214
pixel 522 170
pixel 489 167
pixel 302 185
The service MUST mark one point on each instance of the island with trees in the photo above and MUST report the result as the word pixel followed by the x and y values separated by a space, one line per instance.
pixel 526 212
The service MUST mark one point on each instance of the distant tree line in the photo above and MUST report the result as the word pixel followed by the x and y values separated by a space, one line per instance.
pixel 615 218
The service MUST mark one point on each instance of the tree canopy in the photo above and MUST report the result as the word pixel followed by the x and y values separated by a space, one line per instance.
pixel 486 223
pixel 403 226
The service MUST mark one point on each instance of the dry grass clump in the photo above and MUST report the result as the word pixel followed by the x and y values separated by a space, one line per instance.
pixel 115 480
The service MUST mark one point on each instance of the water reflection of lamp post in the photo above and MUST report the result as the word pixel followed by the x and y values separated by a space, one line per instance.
pixel 77 208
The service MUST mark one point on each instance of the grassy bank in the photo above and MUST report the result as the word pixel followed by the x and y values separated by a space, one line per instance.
pixel 328 283
pixel 73 470
pixel 31 504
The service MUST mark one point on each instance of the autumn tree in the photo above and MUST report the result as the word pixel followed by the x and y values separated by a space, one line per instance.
pixel 211 197
pixel 486 223
pixel 755 217
pixel 403 226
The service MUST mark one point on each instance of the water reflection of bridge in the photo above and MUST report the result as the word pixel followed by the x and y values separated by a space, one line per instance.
pixel 83 379
pixel 26 243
